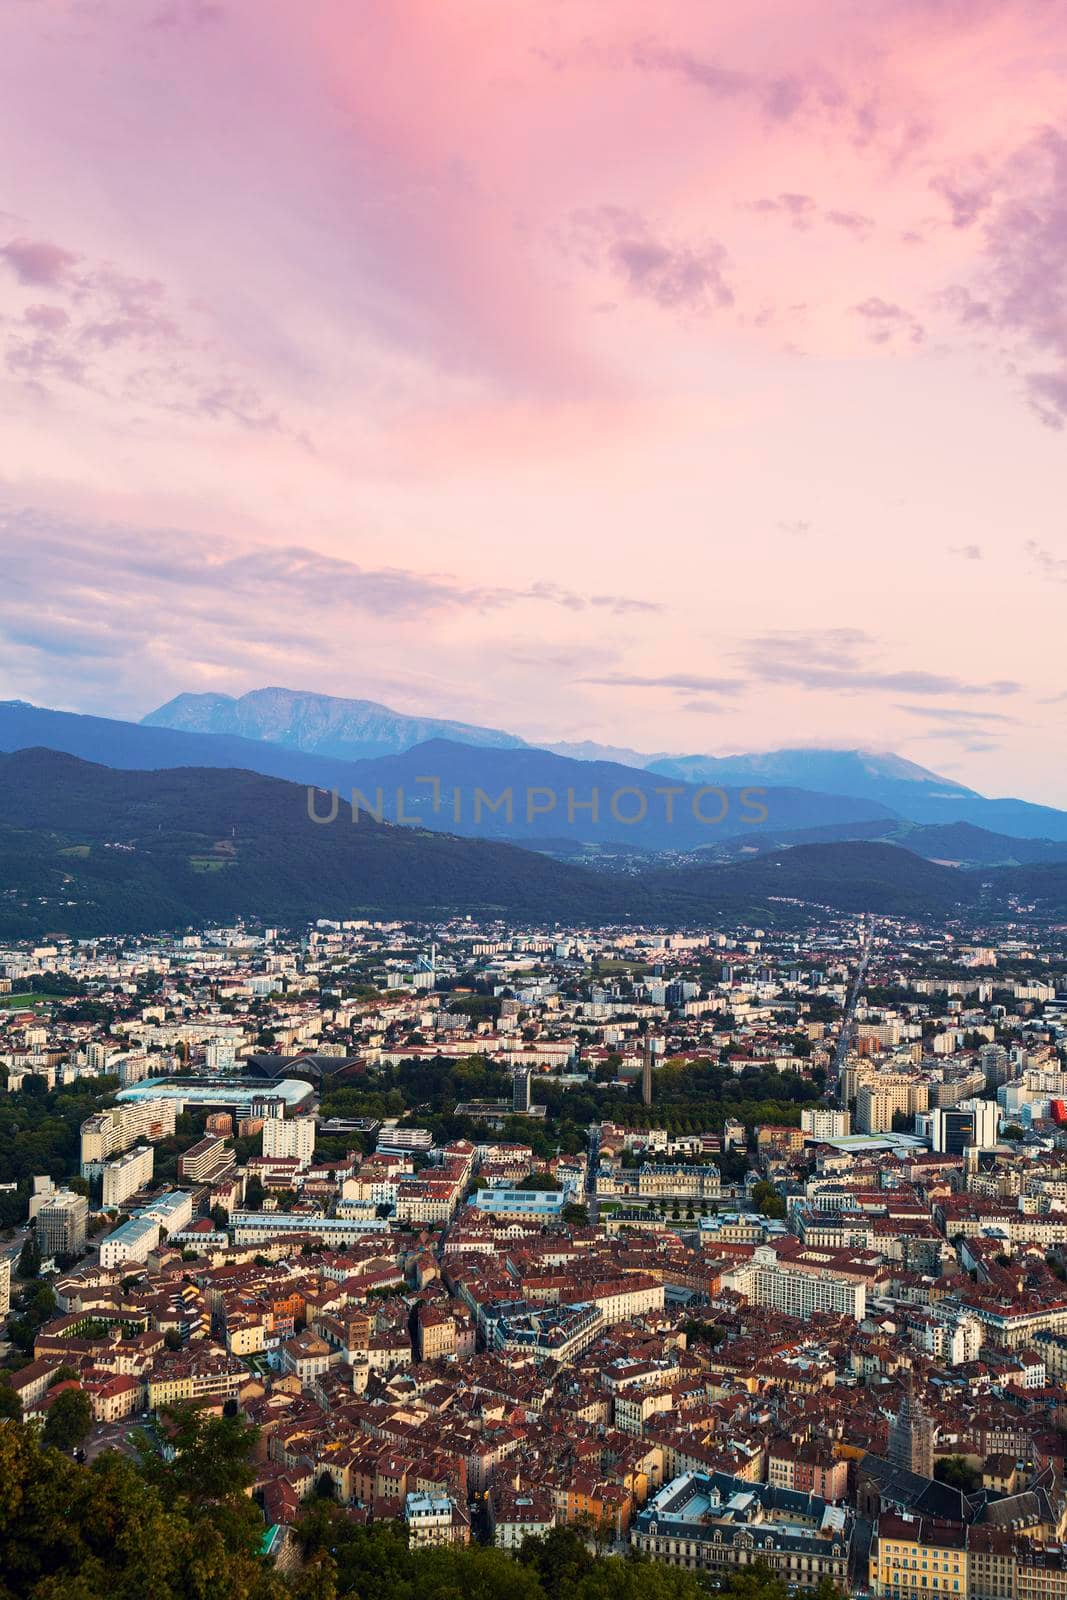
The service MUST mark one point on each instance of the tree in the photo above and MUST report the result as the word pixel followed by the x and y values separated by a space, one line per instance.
pixel 560 1558
pixel 10 1404
pixel 698 1332
pixel 210 1457
pixel 765 1198
pixel 955 1471
pixel 70 1416
pixel 102 1532
pixel 29 1257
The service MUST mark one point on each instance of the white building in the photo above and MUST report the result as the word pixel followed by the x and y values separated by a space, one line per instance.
pixel 126 1174
pixel 61 1223
pixel 795 1288
pixel 291 1139
pixel 823 1122
pixel 116 1129
pixel 434 1519
pixel 133 1241
pixel 221 1055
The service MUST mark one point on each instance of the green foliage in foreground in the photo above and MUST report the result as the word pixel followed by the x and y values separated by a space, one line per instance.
pixel 376 1564
pixel 118 1530
pixel 186 1529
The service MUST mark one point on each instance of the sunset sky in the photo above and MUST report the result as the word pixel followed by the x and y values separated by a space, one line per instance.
pixel 691 377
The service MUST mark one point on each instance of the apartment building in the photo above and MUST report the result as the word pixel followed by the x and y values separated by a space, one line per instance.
pixel 61 1224
pixel 823 1122
pixel 291 1138
pixel 798 1289
pixel 108 1132
pixel 126 1174
pixel 917 1555
pixel 518 1514
pixel 435 1519
pixel 880 1099
pixel 206 1162
pixel 196 1375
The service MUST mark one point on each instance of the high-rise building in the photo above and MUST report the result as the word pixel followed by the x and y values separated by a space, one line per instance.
pixel 886 1095
pixel 289 1139
pixel 209 1161
pixel 646 1074
pixel 972 1122
pixel 520 1090
pixel 911 1435
pixel 126 1174
pixel 61 1224
pixel 823 1122
pixel 108 1132
pixel 5 1285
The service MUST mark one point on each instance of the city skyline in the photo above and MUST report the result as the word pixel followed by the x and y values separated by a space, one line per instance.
pixel 693 386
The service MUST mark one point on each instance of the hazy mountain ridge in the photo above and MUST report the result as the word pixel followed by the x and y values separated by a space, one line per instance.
pixel 551 793
pixel 911 791
pixel 952 843
pixel 806 788
pixel 318 724
pixel 863 773
pixel 85 849
pixel 523 770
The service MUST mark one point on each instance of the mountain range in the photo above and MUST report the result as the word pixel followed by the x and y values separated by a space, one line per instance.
pixel 318 724
pixel 549 793
pixel 108 826
pixel 356 730
pixel 87 849
pixel 834 791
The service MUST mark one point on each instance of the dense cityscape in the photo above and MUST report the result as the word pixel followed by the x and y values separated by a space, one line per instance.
pixel 704 1248
pixel 533 828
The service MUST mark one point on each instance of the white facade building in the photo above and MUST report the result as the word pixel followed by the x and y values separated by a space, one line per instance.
pixel 290 1139
pixel 126 1174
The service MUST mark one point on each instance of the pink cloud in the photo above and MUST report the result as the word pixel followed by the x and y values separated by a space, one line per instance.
pixel 570 307
pixel 38 262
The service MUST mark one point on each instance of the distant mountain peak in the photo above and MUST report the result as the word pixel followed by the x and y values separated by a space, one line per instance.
pixel 320 724
pixel 871 774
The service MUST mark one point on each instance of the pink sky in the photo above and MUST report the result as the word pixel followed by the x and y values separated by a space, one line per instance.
pixel 690 377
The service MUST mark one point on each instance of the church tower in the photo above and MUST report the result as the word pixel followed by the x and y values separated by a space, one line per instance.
pixel 911 1435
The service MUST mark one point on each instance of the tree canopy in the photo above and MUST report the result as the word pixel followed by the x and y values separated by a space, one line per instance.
pixel 186 1529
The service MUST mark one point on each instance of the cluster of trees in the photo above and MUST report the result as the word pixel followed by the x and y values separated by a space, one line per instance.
pixel 375 1564
pixel 956 1471
pixel 36 1305
pixel 122 1529
pixel 688 1098
pixel 39 1134
pixel 766 1199
pixel 185 1528
pixel 57 983
pixel 699 1332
